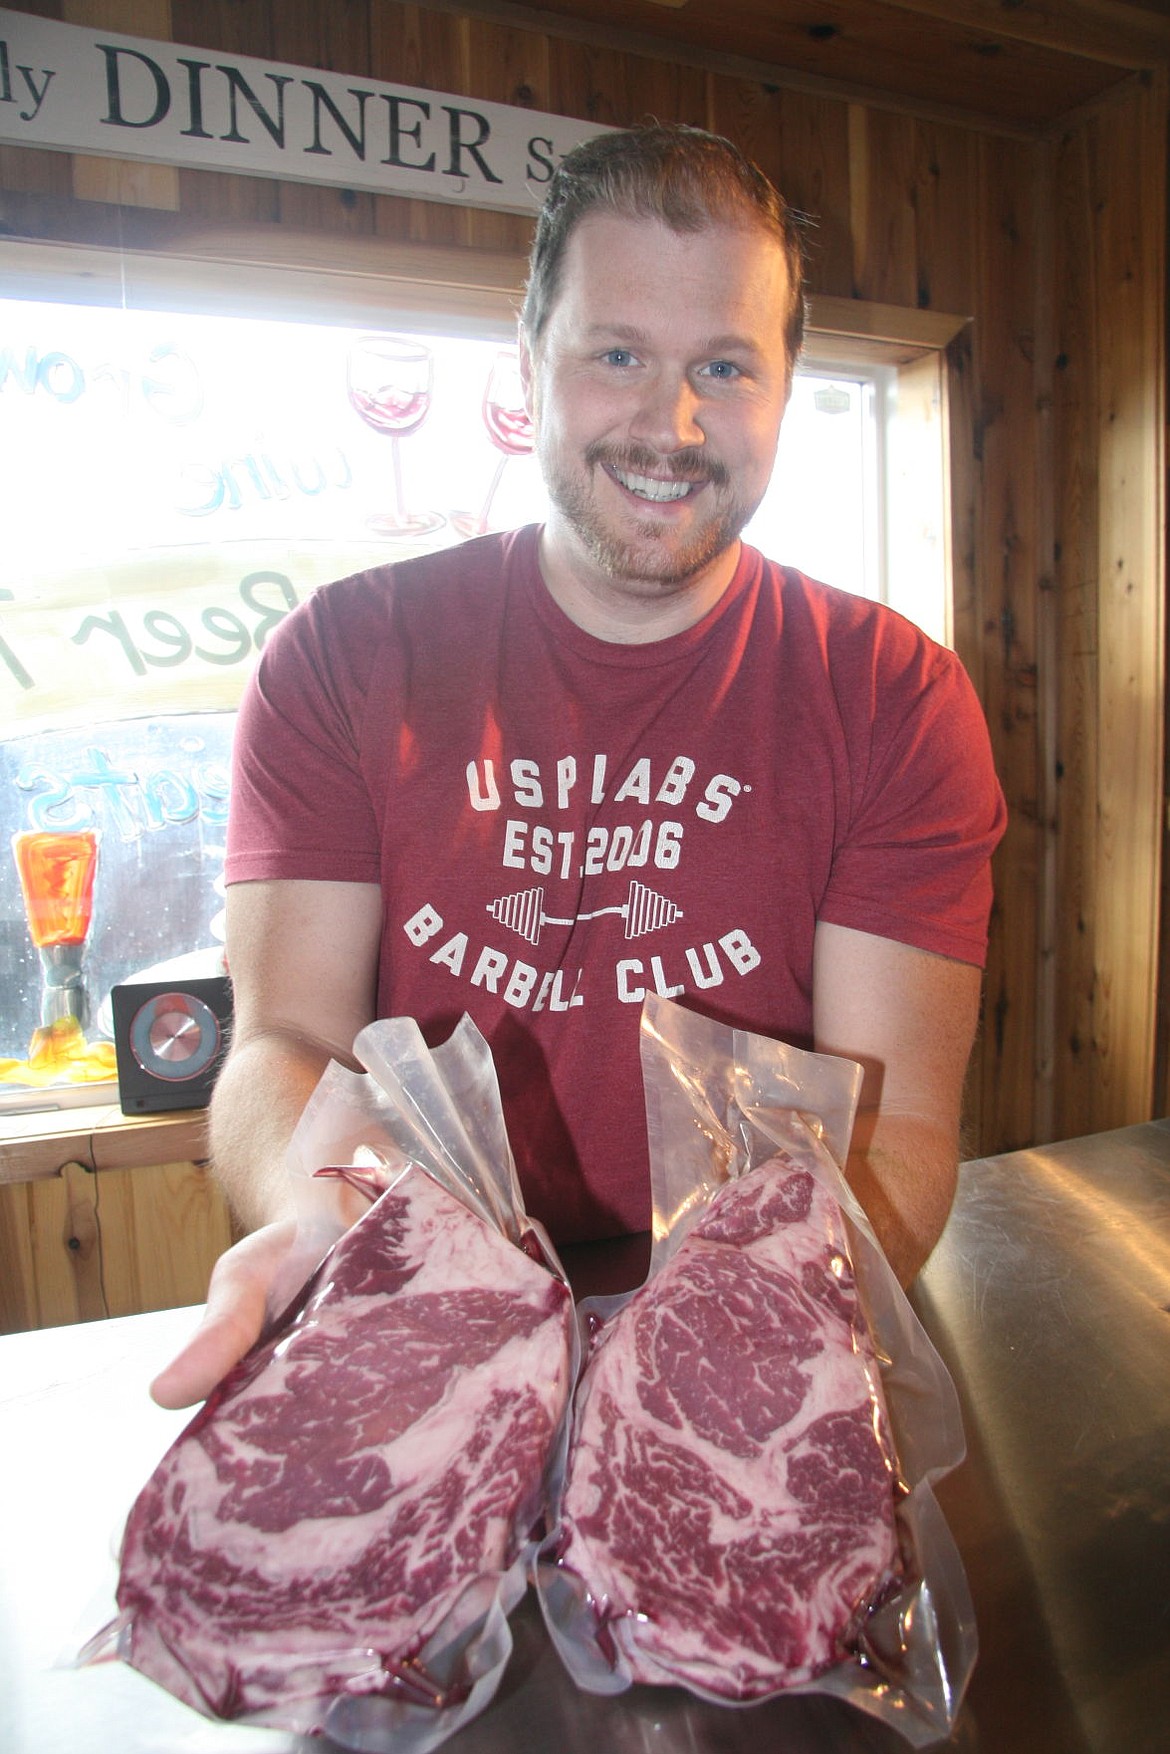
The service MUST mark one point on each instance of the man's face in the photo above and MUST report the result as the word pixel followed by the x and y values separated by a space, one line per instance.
pixel 657 388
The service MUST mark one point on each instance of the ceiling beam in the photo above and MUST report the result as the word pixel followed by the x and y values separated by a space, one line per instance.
pixel 1108 31
pixel 578 27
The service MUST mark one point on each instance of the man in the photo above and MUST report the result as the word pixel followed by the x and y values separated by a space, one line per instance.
pixel 534 777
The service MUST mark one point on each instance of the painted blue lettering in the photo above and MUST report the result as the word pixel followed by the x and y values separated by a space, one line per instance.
pixel 170 797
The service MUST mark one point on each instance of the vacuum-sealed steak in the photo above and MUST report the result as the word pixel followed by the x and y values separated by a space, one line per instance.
pixel 361 1480
pixel 729 1505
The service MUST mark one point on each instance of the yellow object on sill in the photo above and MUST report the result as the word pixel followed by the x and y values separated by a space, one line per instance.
pixel 60 1052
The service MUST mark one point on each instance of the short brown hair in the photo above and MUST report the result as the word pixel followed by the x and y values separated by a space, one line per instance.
pixel 683 176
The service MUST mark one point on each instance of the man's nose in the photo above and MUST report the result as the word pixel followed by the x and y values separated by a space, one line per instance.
pixel 667 415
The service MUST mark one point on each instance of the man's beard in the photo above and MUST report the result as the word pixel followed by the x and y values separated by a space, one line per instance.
pixel 649 556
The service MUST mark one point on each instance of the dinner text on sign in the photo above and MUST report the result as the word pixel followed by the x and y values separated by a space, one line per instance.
pixel 65 87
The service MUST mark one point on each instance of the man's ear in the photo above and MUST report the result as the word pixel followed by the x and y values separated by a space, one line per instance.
pixel 527 371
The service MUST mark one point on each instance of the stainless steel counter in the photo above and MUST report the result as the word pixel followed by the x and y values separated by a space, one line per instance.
pixel 1049 1296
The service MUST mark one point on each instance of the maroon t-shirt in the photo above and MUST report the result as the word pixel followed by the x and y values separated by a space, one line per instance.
pixel 560 824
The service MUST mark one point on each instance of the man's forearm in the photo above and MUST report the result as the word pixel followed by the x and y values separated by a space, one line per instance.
pixel 257 1102
pixel 903 1170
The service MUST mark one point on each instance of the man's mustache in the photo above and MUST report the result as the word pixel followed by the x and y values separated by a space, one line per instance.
pixel 691 464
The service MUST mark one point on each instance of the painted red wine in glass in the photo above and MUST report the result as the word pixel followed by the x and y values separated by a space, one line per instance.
pixel 509 428
pixel 390 379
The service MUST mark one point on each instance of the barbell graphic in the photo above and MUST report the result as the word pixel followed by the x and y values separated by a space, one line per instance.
pixel 643 910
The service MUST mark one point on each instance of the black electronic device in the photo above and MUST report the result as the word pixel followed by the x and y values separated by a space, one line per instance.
pixel 170 1038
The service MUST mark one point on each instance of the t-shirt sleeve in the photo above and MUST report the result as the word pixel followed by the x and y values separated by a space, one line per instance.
pixel 300 804
pixel 914 863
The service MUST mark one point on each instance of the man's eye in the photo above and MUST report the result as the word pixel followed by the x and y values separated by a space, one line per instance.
pixel 721 368
pixel 619 356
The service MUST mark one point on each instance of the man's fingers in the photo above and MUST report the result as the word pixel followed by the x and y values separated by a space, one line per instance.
pixel 203 1362
pixel 236 1306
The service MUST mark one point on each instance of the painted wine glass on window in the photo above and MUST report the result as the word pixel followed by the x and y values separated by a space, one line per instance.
pixel 509 429
pixel 390 381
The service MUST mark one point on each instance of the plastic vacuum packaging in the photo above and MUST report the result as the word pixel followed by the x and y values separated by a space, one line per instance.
pixel 747 1505
pixel 335 1541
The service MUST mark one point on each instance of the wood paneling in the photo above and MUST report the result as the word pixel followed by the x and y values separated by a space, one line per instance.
pixel 35 172
pixel 590 81
pixel 86 1243
pixel 225 24
pixel 1076 417
pixel 1054 247
pixel 511 66
pixel 1005 447
pixel 813 170
pixel 889 53
pixel 1130 320
pixel 1110 185
pixel 944 185
pixel 750 114
pixel 882 160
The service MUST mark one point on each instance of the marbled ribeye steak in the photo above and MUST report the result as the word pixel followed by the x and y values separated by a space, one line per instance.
pixel 730 1498
pixel 322 1515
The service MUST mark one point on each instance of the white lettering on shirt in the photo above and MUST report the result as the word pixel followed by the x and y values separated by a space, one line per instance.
pixel 707 969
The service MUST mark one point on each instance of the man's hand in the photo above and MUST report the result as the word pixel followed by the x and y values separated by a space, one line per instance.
pixel 304 961
pixel 236 1306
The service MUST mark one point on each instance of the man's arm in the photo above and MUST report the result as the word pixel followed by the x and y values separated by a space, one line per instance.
pixel 909 1018
pixel 304 964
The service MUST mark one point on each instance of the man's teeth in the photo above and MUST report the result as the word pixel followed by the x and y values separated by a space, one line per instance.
pixel 646 487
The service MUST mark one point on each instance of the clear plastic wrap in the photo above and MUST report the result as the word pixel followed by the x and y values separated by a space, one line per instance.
pixel 335 1541
pixel 747 1505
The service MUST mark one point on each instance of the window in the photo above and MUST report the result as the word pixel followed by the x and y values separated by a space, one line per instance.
pixel 177 480
pixel 823 508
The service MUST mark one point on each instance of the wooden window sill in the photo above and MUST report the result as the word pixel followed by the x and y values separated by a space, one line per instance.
pixel 36 1145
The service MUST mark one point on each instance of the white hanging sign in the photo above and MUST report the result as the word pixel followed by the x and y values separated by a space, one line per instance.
pixel 73 89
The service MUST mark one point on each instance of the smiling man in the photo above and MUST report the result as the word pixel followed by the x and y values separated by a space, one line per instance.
pixel 537 776
pixel 658 380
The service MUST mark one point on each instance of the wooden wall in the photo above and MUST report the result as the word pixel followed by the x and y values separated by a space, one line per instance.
pixel 92 1241
pixel 1107 689
pixel 1055 249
